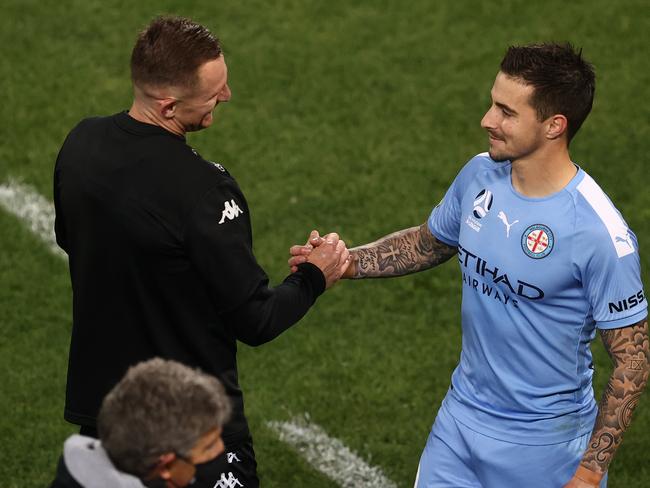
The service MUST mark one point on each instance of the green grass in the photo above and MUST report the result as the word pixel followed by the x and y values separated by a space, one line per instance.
pixel 346 116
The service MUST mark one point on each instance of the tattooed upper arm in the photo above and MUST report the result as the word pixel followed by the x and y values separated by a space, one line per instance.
pixel 402 252
pixel 628 346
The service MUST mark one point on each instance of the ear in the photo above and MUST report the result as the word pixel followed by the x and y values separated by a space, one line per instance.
pixel 163 467
pixel 167 107
pixel 556 126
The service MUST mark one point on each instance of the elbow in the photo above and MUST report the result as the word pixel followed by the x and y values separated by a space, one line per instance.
pixel 256 339
pixel 251 342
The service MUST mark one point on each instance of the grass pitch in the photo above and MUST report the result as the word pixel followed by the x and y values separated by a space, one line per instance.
pixel 346 116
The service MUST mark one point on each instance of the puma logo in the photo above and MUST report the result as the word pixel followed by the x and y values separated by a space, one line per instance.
pixel 504 219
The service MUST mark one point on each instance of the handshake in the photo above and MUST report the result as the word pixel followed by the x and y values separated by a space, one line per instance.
pixel 328 252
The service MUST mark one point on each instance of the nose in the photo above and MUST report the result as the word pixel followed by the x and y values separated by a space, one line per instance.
pixel 225 94
pixel 487 122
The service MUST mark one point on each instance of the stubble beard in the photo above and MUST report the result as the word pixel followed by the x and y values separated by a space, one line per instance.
pixel 499 158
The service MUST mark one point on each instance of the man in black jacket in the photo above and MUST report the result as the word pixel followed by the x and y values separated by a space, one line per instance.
pixel 159 240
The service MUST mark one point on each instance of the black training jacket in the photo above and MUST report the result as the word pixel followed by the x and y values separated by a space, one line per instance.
pixel 161 262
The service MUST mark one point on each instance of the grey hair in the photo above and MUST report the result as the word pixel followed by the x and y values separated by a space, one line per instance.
pixel 159 406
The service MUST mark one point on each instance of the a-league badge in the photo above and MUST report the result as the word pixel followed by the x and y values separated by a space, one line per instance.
pixel 537 241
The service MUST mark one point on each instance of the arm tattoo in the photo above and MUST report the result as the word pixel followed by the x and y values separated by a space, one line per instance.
pixel 628 348
pixel 403 252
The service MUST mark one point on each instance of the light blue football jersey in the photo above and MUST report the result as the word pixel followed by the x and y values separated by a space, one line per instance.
pixel 539 276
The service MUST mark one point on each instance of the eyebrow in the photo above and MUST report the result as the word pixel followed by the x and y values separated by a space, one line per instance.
pixel 506 108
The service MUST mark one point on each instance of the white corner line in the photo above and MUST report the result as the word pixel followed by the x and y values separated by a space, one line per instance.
pixel 329 455
pixel 32 208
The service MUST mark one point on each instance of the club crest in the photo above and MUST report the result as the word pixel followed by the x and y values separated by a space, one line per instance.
pixel 537 241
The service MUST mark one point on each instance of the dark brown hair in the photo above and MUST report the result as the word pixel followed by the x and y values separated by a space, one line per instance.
pixel 564 81
pixel 169 52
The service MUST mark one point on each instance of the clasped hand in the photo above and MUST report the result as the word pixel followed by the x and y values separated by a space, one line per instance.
pixel 327 252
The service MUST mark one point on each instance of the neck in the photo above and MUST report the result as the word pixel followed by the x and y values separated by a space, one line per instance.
pixel 143 112
pixel 543 172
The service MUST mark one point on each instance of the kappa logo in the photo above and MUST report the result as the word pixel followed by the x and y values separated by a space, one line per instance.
pixel 504 218
pixel 229 482
pixel 231 211
pixel 537 241
pixel 232 457
pixel 219 166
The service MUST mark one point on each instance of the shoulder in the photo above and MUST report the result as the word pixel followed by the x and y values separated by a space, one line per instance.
pixel 599 223
pixel 479 165
pixel 483 161
pixel 89 125
pixel 88 464
pixel 63 477
pixel 180 165
pixel 209 167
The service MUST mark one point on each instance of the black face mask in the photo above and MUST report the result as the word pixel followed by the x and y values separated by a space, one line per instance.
pixel 157 483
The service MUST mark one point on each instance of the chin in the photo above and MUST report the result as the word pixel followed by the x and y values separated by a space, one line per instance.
pixel 499 157
pixel 196 127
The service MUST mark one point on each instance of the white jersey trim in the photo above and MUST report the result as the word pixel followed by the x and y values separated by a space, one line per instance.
pixel 618 230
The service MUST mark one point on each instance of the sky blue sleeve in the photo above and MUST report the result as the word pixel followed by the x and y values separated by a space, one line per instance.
pixel 613 284
pixel 444 221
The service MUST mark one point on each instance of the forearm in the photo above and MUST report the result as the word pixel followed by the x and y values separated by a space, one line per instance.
pixel 628 347
pixel 400 253
pixel 271 311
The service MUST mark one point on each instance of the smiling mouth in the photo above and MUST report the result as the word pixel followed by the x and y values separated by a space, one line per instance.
pixel 493 138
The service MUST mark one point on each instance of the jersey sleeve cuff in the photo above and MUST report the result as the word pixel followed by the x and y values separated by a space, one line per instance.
pixel 623 322
pixel 440 237
pixel 314 276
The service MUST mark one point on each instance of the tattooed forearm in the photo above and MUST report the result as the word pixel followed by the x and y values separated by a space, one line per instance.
pixel 403 252
pixel 629 349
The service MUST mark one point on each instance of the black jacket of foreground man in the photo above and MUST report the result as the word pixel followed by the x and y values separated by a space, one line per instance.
pixel 161 261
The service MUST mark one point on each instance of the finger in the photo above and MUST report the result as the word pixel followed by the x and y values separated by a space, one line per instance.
pixel 296 260
pixel 298 250
pixel 294 269
pixel 340 247
pixel 314 238
pixel 332 238
pixel 316 242
pixel 346 264
pixel 345 255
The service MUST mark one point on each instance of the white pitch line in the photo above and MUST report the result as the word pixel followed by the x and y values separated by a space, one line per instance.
pixel 329 455
pixel 33 209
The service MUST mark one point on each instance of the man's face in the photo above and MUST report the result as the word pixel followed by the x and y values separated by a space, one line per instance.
pixel 180 472
pixel 194 109
pixel 208 447
pixel 511 122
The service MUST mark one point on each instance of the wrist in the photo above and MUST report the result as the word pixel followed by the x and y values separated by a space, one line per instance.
pixel 588 476
pixel 315 276
pixel 351 270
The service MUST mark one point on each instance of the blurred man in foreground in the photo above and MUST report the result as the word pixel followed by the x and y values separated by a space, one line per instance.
pixel 155 426
pixel 546 259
